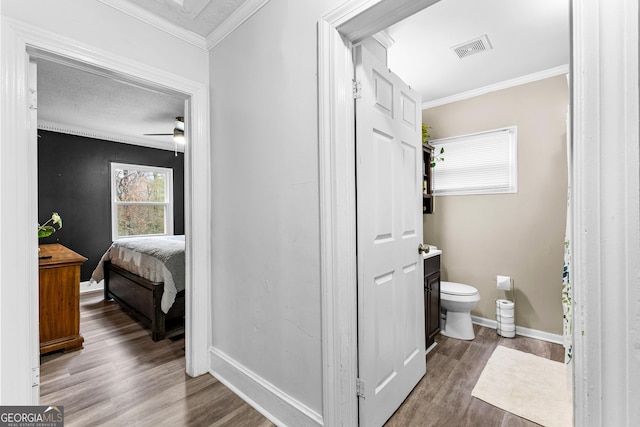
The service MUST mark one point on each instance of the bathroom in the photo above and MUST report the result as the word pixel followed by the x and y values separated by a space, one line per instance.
pixel 522 234
pixel 519 234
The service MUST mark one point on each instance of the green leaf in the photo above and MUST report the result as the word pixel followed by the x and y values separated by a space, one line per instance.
pixel 45 231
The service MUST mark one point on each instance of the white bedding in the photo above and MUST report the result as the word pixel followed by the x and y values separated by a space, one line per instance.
pixel 156 258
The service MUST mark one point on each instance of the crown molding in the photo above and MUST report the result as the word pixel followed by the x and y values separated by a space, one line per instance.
pixel 529 78
pixel 108 136
pixel 154 20
pixel 384 39
pixel 237 18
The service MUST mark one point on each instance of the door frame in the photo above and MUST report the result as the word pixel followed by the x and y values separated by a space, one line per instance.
pixel 338 31
pixel 612 107
pixel 19 159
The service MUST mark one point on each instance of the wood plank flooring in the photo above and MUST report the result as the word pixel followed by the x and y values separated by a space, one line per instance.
pixel 123 378
pixel 443 396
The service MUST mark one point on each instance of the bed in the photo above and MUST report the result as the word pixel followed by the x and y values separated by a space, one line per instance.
pixel 145 275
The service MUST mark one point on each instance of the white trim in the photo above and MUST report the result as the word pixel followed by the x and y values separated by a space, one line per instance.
pixel 284 410
pixel 156 21
pixel 19 253
pixel 90 287
pixel 606 212
pixel 108 136
pixel 384 39
pixel 236 19
pixel 19 342
pixel 337 233
pixel 545 74
pixel 521 330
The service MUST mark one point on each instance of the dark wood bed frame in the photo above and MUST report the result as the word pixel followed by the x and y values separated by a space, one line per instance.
pixel 141 298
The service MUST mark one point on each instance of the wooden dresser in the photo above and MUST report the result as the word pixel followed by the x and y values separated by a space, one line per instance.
pixel 59 298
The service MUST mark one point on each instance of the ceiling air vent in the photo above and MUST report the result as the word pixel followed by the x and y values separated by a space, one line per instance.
pixel 477 45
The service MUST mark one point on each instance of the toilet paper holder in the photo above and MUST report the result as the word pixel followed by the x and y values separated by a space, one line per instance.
pixel 504 282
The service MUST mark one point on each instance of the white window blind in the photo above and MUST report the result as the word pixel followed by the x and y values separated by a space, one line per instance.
pixel 479 163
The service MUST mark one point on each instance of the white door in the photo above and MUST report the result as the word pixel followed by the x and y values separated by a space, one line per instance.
pixel 391 340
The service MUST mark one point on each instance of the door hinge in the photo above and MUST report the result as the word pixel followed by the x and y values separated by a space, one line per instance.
pixel 360 388
pixel 33 99
pixel 35 376
pixel 357 89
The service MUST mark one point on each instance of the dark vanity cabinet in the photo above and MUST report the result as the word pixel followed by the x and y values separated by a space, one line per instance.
pixel 432 298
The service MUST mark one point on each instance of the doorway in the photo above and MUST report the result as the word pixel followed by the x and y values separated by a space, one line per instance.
pixel 338 32
pixel 18 45
pixel 129 81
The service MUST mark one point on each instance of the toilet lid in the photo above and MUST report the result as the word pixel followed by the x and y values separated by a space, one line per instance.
pixel 453 288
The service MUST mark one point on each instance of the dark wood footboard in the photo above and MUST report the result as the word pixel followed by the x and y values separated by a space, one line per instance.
pixel 141 298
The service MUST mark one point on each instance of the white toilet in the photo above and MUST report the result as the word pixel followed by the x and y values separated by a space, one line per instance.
pixel 457 301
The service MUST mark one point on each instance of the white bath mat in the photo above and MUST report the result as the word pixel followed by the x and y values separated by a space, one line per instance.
pixel 528 386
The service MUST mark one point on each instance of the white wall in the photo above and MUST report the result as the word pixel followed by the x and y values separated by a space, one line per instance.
pixel 97 31
pixel 266 295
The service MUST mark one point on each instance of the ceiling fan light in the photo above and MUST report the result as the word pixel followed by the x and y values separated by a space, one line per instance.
pixel 179 123
pixel 178 136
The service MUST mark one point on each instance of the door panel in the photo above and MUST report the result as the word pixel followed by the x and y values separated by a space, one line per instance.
pixel 408 190
pixel 391 335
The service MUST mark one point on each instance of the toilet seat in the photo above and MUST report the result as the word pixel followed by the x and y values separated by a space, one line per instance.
pixel 457 289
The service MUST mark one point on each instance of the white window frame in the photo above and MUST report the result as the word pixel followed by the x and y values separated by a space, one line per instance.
pixel 168 203
pixel 510 186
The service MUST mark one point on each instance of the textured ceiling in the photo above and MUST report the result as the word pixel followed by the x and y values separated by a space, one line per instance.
pixel 85 103
pixel 198 16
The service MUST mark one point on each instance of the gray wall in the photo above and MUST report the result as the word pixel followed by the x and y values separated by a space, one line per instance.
pixel 266 221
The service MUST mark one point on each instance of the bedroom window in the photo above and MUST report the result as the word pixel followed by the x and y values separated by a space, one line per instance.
pixel 141 200
pixel 479 163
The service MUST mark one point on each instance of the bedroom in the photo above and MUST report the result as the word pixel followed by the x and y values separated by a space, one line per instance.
pixel 76 174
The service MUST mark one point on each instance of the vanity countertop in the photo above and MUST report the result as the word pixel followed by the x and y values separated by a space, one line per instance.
pixel 433 251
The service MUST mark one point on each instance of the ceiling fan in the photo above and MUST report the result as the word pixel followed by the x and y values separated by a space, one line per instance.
pixel 178 131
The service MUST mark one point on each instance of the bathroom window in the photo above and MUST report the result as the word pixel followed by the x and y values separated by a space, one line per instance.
pixel 479 163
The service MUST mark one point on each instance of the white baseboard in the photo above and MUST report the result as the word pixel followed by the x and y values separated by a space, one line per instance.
pixel 431 347
pixel 276 405
pixel 89 287
pixel 525 332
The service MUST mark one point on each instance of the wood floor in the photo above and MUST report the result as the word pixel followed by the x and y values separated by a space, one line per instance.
pixel 123 378
pixel 443 396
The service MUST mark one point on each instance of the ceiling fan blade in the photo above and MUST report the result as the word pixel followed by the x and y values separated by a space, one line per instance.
pixel 178 130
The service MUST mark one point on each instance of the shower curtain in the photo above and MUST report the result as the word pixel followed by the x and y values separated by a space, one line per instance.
pixel 567 288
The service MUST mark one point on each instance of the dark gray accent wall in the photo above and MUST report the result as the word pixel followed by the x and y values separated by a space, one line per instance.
pixel 74 180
